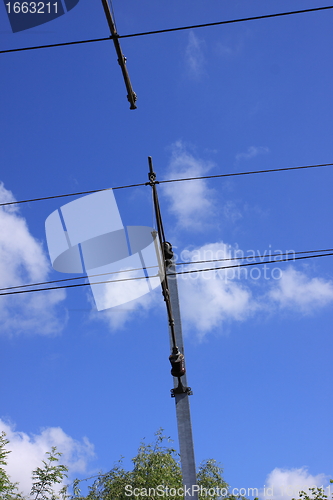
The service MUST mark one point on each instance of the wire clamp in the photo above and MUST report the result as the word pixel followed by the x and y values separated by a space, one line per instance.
pixel 152 179
pixel 151 174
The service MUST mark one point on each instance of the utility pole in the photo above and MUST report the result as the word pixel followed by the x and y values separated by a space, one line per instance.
pixel 181 391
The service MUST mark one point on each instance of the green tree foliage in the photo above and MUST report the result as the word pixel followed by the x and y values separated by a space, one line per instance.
pixel 314 494
pixel 44 478
pixel 155 466
pixel 4 479
pixel 156 473
pixel 8 490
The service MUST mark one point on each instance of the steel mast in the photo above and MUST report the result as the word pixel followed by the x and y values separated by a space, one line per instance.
pixel 181 391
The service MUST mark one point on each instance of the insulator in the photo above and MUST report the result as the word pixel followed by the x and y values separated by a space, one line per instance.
pixel 168 250
pixel 177 361
pixel 168 253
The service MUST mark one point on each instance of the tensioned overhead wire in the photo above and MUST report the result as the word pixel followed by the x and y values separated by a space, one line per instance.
pixel 231 21
pixel 176 273
pixel 271 255
pixel 168 30
pixel 233 174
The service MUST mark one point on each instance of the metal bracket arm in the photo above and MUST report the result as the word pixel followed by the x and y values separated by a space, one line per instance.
pixel 131 96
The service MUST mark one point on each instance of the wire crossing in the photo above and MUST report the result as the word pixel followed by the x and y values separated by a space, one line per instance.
pixel 276 256
pixel 233 174
pixel 169 30
pixel 157 275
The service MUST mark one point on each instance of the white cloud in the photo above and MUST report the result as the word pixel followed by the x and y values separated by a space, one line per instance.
pixel 28 451
pixel 117 317
pixel 296 291
pixel 22 260
pixel 194 57
pixel 252 151
pixel 191 202
pixel 231 212
pixel 210 298
pixel 284 484
pixel 231 46
pixel 224 50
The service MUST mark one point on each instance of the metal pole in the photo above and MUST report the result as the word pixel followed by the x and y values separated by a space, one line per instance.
pixel 180 391
pixel 185 436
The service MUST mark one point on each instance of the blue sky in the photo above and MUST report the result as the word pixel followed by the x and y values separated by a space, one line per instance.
pixel 240 97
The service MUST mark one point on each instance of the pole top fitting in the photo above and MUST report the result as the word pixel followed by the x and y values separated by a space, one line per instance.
pixel 151 174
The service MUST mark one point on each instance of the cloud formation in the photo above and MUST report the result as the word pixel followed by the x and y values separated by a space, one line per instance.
pixel 117 317
pixel 22 260
pixel 210 298
pixel 252 152
pixel 284 484
pixel 28 451
pixel 296 291
pixel 194 56
pixel 191 202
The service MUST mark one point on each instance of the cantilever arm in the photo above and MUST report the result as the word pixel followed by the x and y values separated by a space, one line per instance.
pixel 131 95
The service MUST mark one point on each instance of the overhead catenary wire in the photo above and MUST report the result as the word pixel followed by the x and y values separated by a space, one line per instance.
pixel 203 177
pixel 71 194
pixel 276 257
pixel 254 263
pixel 233 174
pixel 75 278
pixel 177 273
pixel 169 30
pixel 63 44
pixel 271 255
pixel 231 21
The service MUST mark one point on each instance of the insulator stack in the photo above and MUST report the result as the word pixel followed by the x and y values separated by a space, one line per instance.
pixel 177 361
